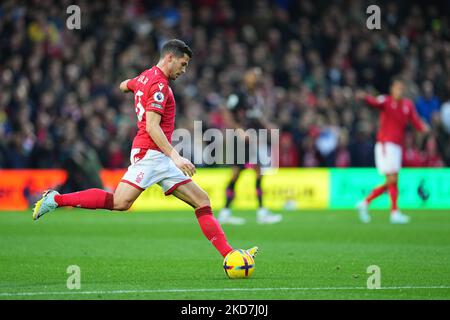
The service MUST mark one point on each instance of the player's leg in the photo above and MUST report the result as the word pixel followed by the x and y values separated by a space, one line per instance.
pixel 376 192
pixel 392 186
pixel 259 193
pixel 225 215
pixel 121 200
pixel 230 193
pixel 263 215
pixel 88 199
pixel 125 195
pixel 363 205
pixel 396 216
pixel 394 155
pixel 93 199
pixel 380 163
pixel 197 198
pixel 140 171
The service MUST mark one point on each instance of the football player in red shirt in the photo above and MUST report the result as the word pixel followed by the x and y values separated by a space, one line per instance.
pixel 153 159
pixel 396 112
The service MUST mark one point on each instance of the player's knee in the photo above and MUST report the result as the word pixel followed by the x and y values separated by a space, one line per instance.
pixel 202 200
pixel 236 174
pixel 122 205
pixel 392 179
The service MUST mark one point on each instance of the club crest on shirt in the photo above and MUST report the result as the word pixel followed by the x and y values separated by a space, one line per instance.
pixel 158 96
pixel 405 110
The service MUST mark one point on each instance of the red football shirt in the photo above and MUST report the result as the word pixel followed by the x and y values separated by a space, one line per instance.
pixel 395 116
pixel 152 93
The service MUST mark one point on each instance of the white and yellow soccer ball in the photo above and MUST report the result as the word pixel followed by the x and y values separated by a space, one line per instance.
pixel 239 264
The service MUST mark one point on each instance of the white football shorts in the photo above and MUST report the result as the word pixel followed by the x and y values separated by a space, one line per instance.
pixel 149 167
pixel 388 157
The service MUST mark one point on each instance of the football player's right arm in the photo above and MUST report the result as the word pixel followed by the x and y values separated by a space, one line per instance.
pixel 375 102
pixel 123 86
pixel 153 128
pixel 127 85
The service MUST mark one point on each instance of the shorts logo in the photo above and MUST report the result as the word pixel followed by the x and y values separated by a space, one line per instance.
pixel 139 177
pixel 158 96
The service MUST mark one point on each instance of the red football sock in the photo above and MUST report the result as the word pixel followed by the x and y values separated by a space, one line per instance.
pixel 393 193
pixel 212 230
pixel 88 199
pixel 376 193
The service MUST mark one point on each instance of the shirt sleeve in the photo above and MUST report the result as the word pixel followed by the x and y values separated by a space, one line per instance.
pixel 131 84
pixel 157 97
pixel 375 102
pixel 415 118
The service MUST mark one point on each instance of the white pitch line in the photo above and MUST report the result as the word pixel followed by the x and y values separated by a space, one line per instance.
pixel 12 294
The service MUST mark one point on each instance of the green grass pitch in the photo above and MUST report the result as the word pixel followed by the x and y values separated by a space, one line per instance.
pixel 310 255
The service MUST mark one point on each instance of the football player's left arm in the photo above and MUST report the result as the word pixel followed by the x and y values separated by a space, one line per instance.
pixel 417 122
pixel 153 128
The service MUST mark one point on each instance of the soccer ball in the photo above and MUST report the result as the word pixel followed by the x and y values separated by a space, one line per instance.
pixel 239 264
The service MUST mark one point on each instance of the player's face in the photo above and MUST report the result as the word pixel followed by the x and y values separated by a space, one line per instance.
pixel 179 66
pixel 253 78
pixel 397 89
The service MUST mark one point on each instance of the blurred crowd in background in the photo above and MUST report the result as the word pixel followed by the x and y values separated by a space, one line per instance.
pixel 60 102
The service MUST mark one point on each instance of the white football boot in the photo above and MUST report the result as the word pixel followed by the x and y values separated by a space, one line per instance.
pixel 363 211
pixel 225 217
pixel 264 216
pixel 45 204
pixel 398 218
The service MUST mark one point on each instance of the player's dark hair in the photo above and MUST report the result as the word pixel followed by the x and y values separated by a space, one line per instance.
pixel 398 79
pixel 176 47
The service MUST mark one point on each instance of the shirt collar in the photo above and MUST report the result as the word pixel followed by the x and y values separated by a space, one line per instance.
pixel 162 73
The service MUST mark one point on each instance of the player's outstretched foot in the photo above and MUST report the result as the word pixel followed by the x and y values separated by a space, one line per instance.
pixel 264 216
pixel 225 217
pixel 45 204
pixel 253 251
pixel 398 218
pixel 363 211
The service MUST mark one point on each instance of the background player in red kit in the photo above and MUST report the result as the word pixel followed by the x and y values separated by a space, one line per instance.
pixel 153 159
pixel 396 113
